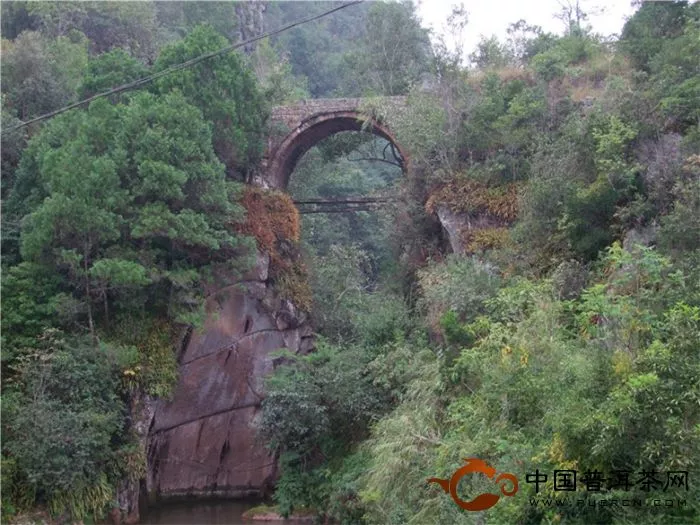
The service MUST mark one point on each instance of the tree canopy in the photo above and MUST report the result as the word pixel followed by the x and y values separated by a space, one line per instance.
pixel 527 292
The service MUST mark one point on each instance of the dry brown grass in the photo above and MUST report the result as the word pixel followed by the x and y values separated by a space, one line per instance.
pixel 486 239
pixel 505 74
pixel 474 198
pixel 271 217
pixel 273 220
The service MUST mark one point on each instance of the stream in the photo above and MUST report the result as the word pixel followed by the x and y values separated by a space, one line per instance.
pixel 206 512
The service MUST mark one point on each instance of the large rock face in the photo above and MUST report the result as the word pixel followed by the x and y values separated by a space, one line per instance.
pixel 453 224
pixel 203 442
pixel 460 226
pixel 250 21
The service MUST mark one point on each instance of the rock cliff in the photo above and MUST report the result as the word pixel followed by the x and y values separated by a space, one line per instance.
pixel 474 215
pixel 202 442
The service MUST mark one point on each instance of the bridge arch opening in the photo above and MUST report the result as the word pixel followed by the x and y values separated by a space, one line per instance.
pixel 347 205
pixel 314 130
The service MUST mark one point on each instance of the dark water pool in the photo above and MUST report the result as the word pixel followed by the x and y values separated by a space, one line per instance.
pixel 216 512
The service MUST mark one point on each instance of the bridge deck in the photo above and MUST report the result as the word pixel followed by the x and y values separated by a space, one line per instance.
pixel 340 205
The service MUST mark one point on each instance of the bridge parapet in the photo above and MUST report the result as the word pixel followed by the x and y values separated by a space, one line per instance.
pixel 294 115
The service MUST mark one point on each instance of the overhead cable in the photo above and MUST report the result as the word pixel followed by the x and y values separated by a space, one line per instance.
pixel 177 67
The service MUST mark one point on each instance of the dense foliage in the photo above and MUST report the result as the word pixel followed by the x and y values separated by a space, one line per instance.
pixel 225 93
pixel 377 47
pixel 114 218
pixel 563 335
pixel 552 323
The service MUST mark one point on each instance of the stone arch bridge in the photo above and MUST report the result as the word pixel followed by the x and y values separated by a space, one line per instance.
pixel 294 129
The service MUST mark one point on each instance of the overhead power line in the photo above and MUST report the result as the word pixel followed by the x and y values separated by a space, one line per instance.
pixel 189 63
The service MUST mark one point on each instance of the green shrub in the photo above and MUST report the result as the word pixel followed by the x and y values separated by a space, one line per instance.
pixel 298 487
pixel 680 229
pixel 607 380
pixel 461 285
pixel 149 354
pixel 61 423
pixel 550 64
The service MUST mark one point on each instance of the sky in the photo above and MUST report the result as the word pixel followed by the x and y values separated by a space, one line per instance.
pixel 492 17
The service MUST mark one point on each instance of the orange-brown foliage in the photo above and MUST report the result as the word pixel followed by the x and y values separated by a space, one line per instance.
pixel 486 239
pixel 473 198
pixel 271 218
pixel 505 74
